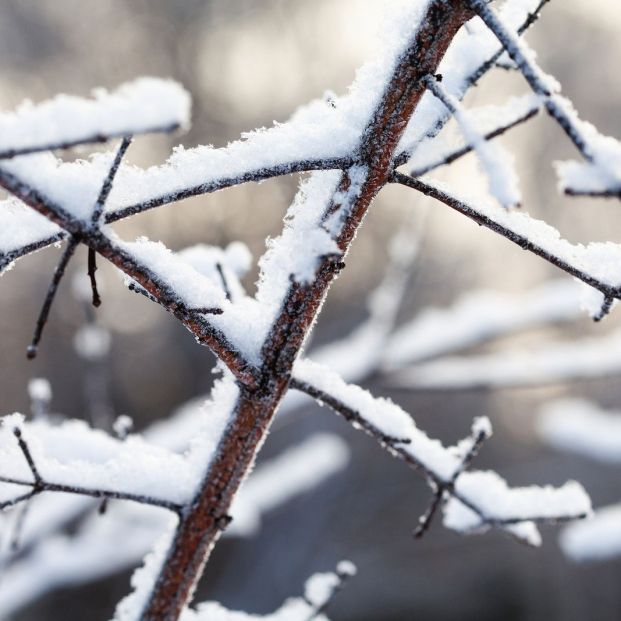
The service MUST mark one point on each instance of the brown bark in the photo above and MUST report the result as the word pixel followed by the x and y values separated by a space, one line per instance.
pixel 204 520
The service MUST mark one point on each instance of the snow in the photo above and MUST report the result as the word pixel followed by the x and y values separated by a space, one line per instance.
pixel 140 106
pixel 74 454
pixel 469 50
pixel 143 579
pixel 546 364
pixel 495 161
pixel 600 175
pixel 303 229
pixel 582 427
pixel 486 492
pixel 192 289
pixel 490 493
pixel 484 120
pixel 597 539
pixel 602 172
pixel 92 551
pixel 477 317
pixel 20 226
pixel 318 591
pixel 384 415
pixel 234 261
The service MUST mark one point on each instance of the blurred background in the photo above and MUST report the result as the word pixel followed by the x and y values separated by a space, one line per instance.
pixel 247 64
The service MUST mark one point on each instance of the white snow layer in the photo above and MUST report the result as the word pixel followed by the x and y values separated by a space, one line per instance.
pixel 143 105
pixel 597 539
pixel 477 317
pixel 547 364
pixel 582 427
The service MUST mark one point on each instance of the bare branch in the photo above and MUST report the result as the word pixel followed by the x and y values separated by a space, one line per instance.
pixel 49 298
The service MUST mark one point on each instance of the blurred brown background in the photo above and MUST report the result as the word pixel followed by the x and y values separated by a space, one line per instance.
pixel 248 63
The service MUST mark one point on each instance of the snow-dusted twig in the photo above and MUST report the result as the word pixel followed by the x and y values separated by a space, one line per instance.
pixel 494 160
pixel 601 176
pixel 514 118
pixel 39 485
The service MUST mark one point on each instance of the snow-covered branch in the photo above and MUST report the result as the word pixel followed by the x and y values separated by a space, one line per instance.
pixel 597 264
pixel 143 106
pixel 475 500
pixel 583 428
pixel 601 174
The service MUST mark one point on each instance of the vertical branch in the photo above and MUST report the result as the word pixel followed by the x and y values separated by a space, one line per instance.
pixel 201 525
pixel 98 212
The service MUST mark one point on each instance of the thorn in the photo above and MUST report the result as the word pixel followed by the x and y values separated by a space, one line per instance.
pixel 92 268
pixel 225 284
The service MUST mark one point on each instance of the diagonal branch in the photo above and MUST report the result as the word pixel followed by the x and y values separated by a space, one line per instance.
pixel 522 230
pixel 200 528
pixel 457 153
pixel 137 269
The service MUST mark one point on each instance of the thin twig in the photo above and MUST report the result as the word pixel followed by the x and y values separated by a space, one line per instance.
pixel 467 148
pixel 59 272
pixel 109 180
pixel 225 284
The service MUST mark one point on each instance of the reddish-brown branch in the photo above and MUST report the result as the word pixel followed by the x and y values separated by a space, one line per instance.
pixel 100 242
pixel 202 523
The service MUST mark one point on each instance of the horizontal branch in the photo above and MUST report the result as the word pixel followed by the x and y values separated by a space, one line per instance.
pixel 40 484
pixel 43 485
pixel 66 121
pixel 251 175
